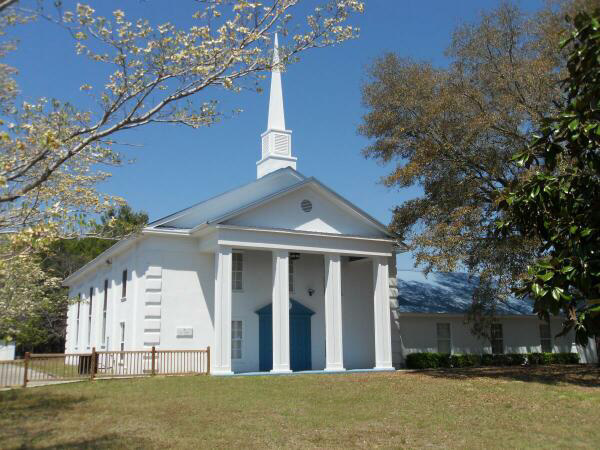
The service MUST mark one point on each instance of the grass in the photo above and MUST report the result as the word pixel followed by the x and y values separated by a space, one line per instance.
pixel 506 407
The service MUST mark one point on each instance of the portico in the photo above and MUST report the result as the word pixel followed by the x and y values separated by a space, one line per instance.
pixel 365 260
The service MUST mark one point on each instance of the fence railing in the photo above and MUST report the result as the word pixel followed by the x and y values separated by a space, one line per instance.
pixel 12 373
pixel 77 366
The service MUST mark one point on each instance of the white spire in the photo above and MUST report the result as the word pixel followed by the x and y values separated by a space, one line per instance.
pixel 276 114
pixel 276 141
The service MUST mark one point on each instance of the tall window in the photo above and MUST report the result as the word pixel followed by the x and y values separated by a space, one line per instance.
pixel 236 339
pixel 124 285
pixel 104 306
pixel 89 337
pixel 237 269
pixel 444 342
pixel 545 337
pixel 291 275
pixel 77 321
pixel 497 339
pixel 122 345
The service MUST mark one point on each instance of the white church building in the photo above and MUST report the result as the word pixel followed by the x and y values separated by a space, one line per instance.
pixel 281 274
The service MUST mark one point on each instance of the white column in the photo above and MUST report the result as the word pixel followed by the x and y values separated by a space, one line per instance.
pixel 334 353
pixel 221 351
pixel 383 338
pixel 281 312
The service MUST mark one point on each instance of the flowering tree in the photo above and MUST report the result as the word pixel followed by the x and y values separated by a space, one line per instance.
pixel 50 150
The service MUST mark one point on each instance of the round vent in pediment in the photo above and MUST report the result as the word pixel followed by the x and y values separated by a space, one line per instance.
pixel 306 206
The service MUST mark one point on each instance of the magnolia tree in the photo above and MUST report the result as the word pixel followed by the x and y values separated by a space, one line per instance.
pixel 50 150
pixel 558 198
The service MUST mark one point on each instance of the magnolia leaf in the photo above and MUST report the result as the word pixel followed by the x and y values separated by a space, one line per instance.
pixel 556 293
pixel 546 276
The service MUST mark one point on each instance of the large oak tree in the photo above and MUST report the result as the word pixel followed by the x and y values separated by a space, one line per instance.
pixel 452 132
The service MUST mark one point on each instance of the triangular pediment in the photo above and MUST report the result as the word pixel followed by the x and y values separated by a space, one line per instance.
pixel 310 207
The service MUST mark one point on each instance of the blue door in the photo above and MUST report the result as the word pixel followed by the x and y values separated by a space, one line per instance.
pixel 300 352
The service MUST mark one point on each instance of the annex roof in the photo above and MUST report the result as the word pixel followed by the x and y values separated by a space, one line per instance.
pixel 447 293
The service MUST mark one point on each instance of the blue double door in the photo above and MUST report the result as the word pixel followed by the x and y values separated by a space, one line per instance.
pixel 300 341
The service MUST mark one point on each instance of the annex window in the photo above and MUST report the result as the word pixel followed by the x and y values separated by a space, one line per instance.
pixel 291 275
pixel 90 309
pixel 545 337
pixel 237 271
pixel 236 339
pixel 444 342
pixel 104 307
pixel 77 321
pixel 124 285
pixel 497 339
pixel 122 344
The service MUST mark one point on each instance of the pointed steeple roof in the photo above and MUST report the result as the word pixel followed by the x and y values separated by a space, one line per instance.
pixel 276 141
pixel 276 113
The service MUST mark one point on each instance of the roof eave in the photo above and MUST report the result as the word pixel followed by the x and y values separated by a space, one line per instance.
pixel 119 247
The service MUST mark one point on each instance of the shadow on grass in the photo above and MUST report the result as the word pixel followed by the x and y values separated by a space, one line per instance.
pixel 19 401
pixel 28 420
pixel 20 407
pixel 581 375
pixel 105 441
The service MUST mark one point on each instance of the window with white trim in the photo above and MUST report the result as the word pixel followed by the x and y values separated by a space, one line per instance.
pixel 124 285
pixel 104 307
pixel 291 275
pixel 77 321
pixel 237 271
pixel 236 339
pixel 444 341
pixel 90 309
pixel 545 337
pixel 122 344
pixel 497 336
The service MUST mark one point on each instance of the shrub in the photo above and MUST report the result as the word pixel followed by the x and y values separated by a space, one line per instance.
pixel 464 360
pixel 445 360
pixel 487 359
pixel 424 360
pixel 565 358
pixel 517 359
pixel 430 360
pixel 535 359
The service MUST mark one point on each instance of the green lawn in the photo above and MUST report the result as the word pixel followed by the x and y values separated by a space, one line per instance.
pixel 543 407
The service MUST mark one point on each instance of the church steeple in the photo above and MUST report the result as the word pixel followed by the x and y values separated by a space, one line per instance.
pixel 276 141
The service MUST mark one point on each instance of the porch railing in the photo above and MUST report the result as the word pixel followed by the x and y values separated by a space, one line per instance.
pixel 47 368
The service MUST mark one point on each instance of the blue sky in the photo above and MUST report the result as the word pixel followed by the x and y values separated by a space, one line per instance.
pixel 177 166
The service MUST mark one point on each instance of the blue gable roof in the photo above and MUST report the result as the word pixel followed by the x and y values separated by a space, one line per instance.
pixel 447 293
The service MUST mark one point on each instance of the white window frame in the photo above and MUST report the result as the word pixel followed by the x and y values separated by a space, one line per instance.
pixel 237 274
pixel 496 339
pixel 124 277
pixel 239 339
pixel 122 341
pixel 547 339
pixel 104 308
pixel 444 339
pixel 90 311
pixel 77 320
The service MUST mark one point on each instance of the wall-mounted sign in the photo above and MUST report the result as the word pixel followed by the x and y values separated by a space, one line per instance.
pixel 185 332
